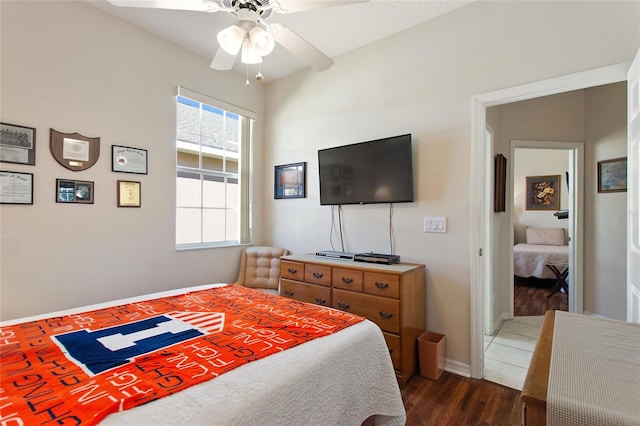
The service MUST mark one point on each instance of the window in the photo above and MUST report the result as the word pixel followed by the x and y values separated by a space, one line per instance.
pixel 212 170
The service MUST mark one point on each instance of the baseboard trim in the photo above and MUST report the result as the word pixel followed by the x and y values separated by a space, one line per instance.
pixel 456 367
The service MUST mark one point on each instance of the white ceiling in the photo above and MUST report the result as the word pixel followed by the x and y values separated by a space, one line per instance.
pixel 333 30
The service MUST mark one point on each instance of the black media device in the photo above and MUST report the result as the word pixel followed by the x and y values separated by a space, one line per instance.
pixel 377 171
pixel 385 259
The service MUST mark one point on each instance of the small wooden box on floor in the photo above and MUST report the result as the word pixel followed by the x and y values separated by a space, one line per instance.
pixel 392 296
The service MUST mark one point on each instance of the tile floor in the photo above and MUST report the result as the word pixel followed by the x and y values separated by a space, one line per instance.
pixel 507 354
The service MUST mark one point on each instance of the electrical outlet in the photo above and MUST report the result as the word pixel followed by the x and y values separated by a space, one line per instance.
pixel 435 224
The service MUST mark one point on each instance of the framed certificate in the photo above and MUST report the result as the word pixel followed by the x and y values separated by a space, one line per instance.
pixel 17 144
pixel 16 188
pixel 128 193
pixel 128 160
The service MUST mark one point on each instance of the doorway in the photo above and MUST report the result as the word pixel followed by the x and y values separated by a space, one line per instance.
pixel 481 266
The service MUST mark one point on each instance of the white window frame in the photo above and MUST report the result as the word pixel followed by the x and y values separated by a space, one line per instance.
pixel 244 172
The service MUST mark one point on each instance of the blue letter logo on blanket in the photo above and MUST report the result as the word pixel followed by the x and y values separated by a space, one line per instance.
pixel 101 350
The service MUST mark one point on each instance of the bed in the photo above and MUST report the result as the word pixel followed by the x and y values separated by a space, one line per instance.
pixel 338 377
pixel 544 246
pixel 584 370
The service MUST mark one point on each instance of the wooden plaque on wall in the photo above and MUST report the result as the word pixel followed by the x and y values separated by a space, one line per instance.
pixel 74 151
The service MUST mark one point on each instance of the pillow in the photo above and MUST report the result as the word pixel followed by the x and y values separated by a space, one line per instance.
pixel 545 236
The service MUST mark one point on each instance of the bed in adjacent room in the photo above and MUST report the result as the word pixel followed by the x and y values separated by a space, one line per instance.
pixel 215 355
pixel 544 246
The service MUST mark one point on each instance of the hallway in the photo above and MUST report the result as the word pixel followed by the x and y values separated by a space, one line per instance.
pixel 508 353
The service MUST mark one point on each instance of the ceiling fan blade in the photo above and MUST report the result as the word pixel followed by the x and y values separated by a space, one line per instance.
pixel 301 48
pixel 291 6
pixel 196 5
pixel 223 61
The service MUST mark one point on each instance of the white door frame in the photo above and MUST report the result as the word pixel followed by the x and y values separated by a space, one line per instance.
pixel 481 207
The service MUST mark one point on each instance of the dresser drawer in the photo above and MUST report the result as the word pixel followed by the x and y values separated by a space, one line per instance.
pixel 292 270
pixel 382 284
pixel 303 292
pixel 393 343
pixel 317 274
pixel 383 311
pixel 347 279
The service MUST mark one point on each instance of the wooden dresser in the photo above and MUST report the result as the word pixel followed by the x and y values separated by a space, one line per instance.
pixel 392 296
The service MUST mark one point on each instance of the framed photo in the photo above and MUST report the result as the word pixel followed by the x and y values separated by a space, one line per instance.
pixel 128 193
pixel 16 188
pixel 289 181
pixel 74 191
pixel 543 192
pixel 128 160
pixel 612 175
pixel 17 144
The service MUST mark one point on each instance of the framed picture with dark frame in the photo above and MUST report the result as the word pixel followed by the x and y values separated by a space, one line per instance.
pixel 126 159
pixel 612 175
pixel 16 187
pixel 74 191
pixel 17 144
pixel 129 193
pixel 289 181
pixel 543 192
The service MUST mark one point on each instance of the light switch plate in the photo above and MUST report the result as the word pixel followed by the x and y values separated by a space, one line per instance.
pixel 435 224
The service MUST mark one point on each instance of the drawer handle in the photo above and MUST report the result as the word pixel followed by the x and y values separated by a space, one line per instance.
pixel 320 301
pixel 343 306
pixel 292 270
pixel 288 293
pixel 317 275
pixel 382 286
pixel 347 280
pixel 386 315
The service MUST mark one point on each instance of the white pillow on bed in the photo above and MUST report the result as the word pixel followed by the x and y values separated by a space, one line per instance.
pixel 545 236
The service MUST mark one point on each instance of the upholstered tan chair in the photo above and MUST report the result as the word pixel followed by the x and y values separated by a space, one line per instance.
pixel 260 268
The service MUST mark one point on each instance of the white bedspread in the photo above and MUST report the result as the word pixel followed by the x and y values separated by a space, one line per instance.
pixel 529 260
pixel 341 379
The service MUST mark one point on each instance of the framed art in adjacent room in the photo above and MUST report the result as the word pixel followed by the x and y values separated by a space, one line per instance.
pixel 289 181
pixel 128 193
pixel 612 175
pixel 17 144
pixel 74 191
pixel 16 188
pixel 543 192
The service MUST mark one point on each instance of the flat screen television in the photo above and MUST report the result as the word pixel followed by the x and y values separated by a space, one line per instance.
pixel 377 171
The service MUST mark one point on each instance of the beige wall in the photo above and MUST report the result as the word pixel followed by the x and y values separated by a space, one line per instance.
pixel 74 68
pixel 421 81
pixel 605 213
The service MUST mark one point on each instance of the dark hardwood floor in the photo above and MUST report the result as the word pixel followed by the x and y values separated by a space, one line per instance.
pixel 457 400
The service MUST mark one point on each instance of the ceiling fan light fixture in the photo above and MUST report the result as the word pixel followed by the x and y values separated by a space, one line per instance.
pixel 231 39
pixel 261 40
pixel 249 54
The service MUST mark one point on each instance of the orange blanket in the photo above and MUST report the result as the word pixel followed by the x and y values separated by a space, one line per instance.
pixel 76 369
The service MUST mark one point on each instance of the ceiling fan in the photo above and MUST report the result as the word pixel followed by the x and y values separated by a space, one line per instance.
pixel 252 36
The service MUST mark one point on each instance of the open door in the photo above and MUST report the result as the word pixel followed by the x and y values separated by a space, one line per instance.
pixel 633 192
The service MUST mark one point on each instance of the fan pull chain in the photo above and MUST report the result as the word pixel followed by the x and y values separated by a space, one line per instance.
pixel 247 82
pixel 259 77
